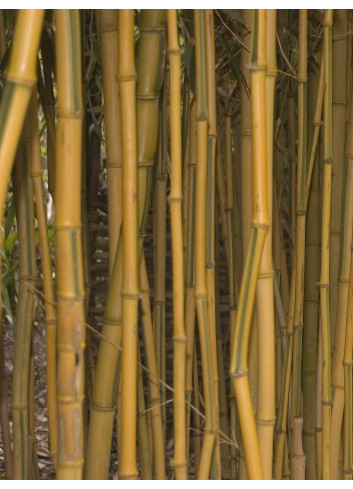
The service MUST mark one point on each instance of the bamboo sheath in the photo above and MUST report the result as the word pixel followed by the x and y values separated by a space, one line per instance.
pixel 260 223
pixel 175 200
pixel 325 251
pixel 50 314
pixel 70 287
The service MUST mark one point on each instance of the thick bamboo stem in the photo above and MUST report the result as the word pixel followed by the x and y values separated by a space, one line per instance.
pixel 70 287
pixel 265 414
pixel 130 290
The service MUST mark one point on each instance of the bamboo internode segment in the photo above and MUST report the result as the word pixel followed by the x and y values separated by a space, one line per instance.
pixel 70 287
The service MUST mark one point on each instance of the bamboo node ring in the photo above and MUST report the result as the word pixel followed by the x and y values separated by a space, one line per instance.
pixel 327 403
pixel 266 422
pixel 346 364
pixel 328 161
pixel 102 408
pixel 298 326
pixel 239 373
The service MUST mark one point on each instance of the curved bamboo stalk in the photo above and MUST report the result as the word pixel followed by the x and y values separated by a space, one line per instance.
pixel 175 199
pixel 260 223
pixel 70 287
pixel 265 414
pixel 50 314
pixel 20 80
pixel 325 251
pixel 23 328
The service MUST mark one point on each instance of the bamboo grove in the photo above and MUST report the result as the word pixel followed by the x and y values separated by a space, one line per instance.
pixel 195 276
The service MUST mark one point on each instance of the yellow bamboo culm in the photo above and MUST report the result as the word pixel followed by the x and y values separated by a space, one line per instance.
pixel 130 291
pixel 325 252
pixel 265 414
pixel 108 29
pixel 200 246
pixel 70 286
pixel 175 199
pixel 260 224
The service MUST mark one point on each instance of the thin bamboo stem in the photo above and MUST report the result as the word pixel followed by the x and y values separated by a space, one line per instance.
pixel 175 199
pixel 24 318
pixel 130 290
pixel 325 251
pixel 348 390
pixel 200 245
pixel 50 314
